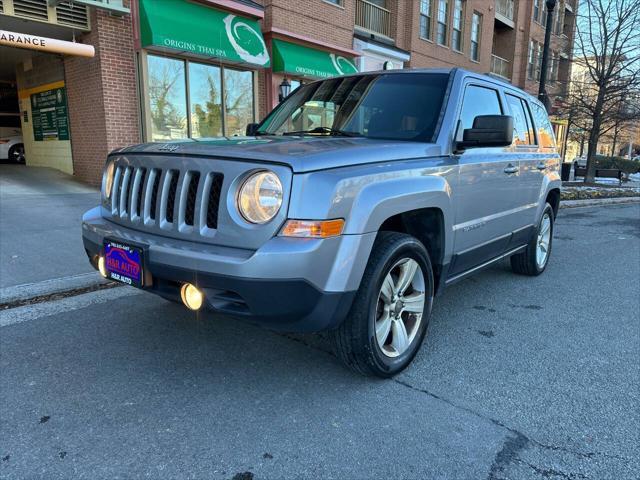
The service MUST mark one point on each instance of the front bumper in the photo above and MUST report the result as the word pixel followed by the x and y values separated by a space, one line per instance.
pixel 288 284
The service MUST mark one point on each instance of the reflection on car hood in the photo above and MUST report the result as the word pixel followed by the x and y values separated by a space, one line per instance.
pixel 302 154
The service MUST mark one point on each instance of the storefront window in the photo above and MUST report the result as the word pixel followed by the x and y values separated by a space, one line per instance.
pixel 208 115
pixel 238 100
pixel 167 96
pixel 205 91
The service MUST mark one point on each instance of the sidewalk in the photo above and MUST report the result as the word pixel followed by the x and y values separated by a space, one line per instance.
pixel 40 232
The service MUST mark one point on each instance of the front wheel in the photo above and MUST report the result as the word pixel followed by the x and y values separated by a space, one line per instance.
pixel 390 314
pixel 16 153
pixel 534 259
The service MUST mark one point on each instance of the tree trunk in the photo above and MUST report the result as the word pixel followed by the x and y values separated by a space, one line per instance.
pixel 615 140
pixel 594 135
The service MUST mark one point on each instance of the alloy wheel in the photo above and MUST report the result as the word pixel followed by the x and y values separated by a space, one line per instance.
pixel 400 307
pixel 544 240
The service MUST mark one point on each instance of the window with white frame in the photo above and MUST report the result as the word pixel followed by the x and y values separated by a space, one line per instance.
pixel 443 21
pixel 458 18
pixel 539 60
pixel 531 64
pixel 476 32
pixel 425 19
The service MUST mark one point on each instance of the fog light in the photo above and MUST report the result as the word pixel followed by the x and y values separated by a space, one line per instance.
pixel 101 268
pixel 191 296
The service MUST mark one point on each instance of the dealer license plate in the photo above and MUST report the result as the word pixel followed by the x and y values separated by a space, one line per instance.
pixel 123 262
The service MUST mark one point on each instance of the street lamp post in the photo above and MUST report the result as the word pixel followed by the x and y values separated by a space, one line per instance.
pixel 542 94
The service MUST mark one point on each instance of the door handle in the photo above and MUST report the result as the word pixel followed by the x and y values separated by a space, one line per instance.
pixel 511 169
pixel 541 166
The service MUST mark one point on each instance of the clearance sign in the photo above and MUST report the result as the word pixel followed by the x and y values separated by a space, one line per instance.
pixel 44 44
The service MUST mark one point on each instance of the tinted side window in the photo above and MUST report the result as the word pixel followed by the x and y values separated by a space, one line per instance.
pixel 527 112
pixel 479 101
pixel 543 127
pixel 520 127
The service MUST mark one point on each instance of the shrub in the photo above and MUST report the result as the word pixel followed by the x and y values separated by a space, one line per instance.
pixel 624 164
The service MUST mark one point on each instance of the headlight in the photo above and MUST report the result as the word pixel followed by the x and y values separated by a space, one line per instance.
pixel 107 179
pixel 260 197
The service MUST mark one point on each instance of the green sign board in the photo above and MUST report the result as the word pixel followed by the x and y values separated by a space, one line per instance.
pixel 49 115
pixel 185 26
pixel 309 62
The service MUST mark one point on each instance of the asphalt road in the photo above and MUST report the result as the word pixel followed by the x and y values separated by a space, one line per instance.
pixel 518 378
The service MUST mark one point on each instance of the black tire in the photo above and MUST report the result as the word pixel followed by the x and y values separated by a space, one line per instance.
pixel 526 263
pixel 16 153
pixel 355 341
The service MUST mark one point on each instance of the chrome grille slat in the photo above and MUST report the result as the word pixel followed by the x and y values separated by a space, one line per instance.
pixel 136 193
pixel 124 192
pixel 115 191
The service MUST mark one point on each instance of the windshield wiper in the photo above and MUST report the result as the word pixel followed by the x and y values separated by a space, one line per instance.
pixel 325 130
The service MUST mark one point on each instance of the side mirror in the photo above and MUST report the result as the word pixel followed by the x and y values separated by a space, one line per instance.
pixel 488 131
pixel 252 128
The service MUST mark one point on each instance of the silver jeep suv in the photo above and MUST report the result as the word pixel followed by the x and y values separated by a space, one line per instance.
pixel 347 209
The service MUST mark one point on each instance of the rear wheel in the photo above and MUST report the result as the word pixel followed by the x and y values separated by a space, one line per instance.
pixel 389 317
pixel 16 153
pixel 534 259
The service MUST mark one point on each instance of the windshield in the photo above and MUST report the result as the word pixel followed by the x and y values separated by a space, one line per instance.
pixel 386 106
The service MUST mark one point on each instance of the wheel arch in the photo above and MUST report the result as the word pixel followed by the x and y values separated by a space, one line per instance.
pixel 553 199
pixel 428 226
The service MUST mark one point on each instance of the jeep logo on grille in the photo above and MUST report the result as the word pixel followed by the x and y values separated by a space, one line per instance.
pixel 168 147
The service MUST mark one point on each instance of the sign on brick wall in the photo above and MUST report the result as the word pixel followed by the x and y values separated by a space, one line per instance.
pixel 49 114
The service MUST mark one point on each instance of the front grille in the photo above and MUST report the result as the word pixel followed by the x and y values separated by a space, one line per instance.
pixel 165 197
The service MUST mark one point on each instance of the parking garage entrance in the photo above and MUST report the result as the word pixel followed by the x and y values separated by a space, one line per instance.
pixel 34 117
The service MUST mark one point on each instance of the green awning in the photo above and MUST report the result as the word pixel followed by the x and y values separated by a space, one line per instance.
pixel 309 62
pixel 190 27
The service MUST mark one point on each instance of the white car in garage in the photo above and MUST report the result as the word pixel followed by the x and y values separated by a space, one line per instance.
pixel 11 146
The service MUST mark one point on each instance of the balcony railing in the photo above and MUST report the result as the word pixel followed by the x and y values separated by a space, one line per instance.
pixel 501 67
pixel 373 18
pixel 505 8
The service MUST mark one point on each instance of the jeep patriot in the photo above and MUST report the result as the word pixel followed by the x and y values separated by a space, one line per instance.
pixel 353 203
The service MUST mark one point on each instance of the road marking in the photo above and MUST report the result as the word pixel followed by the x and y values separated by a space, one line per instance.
pixel 48 287
pixel 39 310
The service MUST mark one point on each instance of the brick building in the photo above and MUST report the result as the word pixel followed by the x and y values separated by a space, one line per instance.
pixel 115 72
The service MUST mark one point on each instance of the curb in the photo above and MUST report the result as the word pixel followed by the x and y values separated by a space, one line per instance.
pixel 51 287
pixel 594 202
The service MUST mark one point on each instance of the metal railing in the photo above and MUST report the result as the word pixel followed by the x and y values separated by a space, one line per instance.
pixel 505 8
pixel 500 66
pixel 373 18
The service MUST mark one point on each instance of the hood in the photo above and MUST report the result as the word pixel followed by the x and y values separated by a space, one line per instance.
pixel 302 154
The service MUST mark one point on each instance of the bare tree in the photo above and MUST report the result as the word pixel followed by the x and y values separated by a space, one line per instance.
pixel 608 48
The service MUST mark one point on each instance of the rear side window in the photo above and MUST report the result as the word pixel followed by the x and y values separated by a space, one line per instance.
pixel 546 139
pixel 479 101
pixel 521 134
